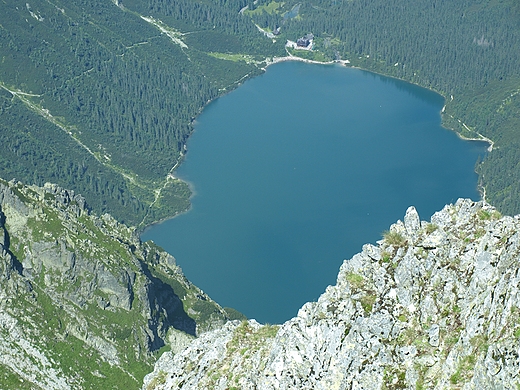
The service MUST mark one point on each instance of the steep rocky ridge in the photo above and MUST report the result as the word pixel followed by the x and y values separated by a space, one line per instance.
pixel 83 302
pixel 434 305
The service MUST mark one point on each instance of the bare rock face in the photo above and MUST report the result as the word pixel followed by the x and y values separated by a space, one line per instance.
pixel 84 304
pixel 434 305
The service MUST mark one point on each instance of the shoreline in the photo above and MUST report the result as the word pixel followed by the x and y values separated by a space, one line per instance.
pixel 275 60
pixel 345 63
pixel 140 231
pixel 171 174
pixel 481 139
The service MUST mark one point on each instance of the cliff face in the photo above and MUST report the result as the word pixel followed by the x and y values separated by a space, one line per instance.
pixel 433 305
pixel 83 302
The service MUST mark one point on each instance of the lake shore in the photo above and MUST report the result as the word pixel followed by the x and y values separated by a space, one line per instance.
pixel 290 57
pixel 481 139
pixel 274 223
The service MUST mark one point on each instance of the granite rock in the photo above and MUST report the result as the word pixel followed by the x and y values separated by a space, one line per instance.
pixel 440 310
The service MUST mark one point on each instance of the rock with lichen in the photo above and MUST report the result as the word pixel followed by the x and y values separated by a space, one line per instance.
pixel 433 305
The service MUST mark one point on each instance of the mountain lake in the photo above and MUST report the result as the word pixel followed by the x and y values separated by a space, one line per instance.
pixel 296 169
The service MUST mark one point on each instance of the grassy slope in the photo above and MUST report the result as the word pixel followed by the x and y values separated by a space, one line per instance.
pixel 64 309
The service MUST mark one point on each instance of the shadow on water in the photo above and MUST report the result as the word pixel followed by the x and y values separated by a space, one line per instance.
pixel 167 310
pixel 420 93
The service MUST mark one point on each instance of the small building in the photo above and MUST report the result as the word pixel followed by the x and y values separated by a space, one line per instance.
pixel 305 41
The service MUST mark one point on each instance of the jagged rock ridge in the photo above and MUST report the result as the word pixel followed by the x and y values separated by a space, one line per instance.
pixel 83 302
pixel 432 306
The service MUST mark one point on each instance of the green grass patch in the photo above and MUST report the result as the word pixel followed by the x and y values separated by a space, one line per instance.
pixel 247 339
pixel 430 228
pixel 356 281
pixel 386 257
pixel 48 227
pixel 407 336
pixel 394 379
pixel 271 8
pixel 233 57
pixel 394 238
pixel 368 301
pixel 488 215
pixel 481 343
pixel 464 370
pixel 11 380
pixel 159 379
pixel 312 55
pixel 479 233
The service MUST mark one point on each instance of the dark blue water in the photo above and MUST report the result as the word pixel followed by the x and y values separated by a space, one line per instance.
pixel 298 168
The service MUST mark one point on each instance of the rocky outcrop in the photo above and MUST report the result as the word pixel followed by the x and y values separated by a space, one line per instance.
pixel 433 305
pixel 83 302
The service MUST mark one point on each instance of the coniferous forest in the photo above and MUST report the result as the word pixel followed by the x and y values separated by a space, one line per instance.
pixel 100 96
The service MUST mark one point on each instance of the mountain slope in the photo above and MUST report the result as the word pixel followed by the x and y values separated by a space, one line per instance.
pixel 432 306
pixel 84 304
pixel 97 97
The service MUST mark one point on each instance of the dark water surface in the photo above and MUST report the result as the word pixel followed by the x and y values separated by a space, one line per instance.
pixel 298 168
